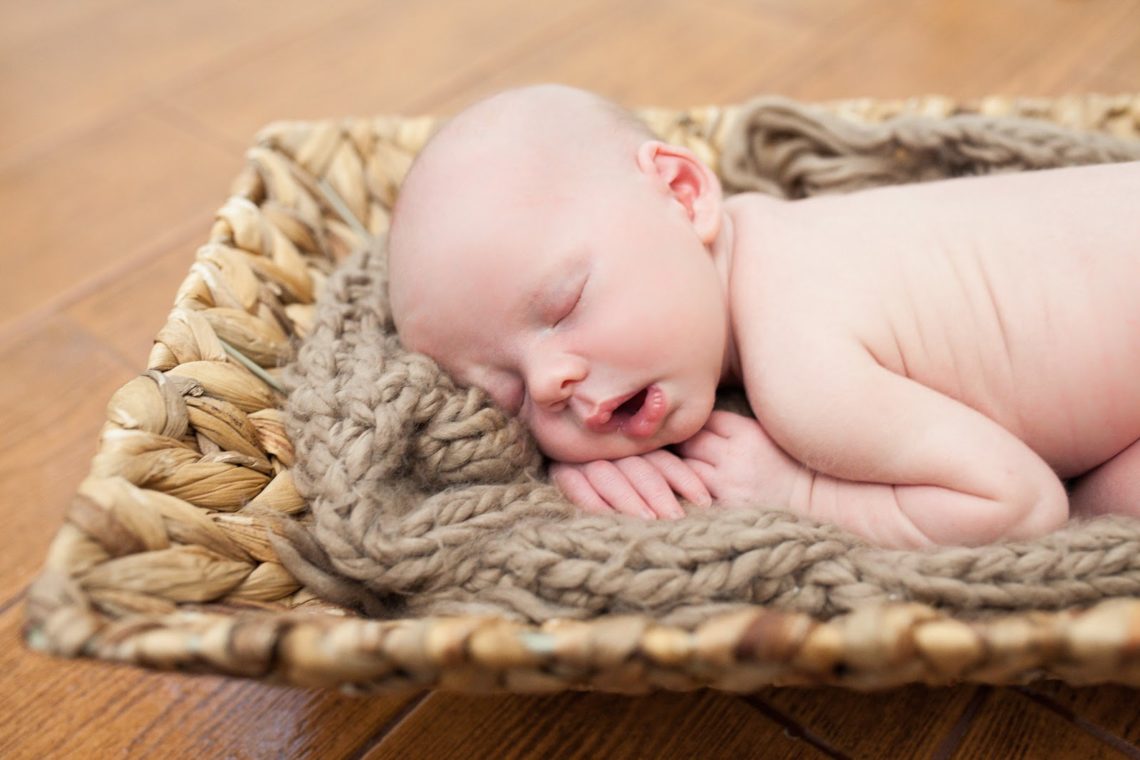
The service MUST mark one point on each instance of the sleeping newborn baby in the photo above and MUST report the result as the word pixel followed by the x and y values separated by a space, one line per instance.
pixel 927 364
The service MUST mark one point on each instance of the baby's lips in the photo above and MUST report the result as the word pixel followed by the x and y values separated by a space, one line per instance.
pixel 648 418
pixel 642 424
pixel 602 420
pixel 598 422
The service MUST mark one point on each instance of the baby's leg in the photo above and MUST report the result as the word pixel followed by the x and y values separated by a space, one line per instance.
pixel 1113 487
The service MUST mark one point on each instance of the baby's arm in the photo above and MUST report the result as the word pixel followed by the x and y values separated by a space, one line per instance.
pixel 640 486
pixel 900 463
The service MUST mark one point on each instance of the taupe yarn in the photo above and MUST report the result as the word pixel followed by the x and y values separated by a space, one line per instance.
pixel 782 148
pixel 428 500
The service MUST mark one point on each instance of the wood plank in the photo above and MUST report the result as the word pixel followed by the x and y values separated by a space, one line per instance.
pixel 1067 50
pixel 80 708
pixel 388 60
pixel 1109 82
pixel 1119 61
pixel 816 15
pixel 677 54
pixel 20 22
pixel 127 312
pixel 1111 707
pixel 61 79
pixel 53 396
pixel 964 49
pixel 907 722
pixel 704 724
pixel 102 202
pixel 1012 727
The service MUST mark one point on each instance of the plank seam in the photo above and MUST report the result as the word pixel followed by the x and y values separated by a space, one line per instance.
pixel 1098 732
pixel 377 737
pixel 794 729
pixel 957 734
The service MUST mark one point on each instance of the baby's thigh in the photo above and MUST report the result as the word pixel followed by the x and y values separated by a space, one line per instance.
pixel 1111 488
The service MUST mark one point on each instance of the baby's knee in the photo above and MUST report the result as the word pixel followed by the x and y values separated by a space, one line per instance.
pixel 1037 510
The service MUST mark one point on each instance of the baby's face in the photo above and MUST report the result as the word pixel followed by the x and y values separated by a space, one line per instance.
pixel 592 311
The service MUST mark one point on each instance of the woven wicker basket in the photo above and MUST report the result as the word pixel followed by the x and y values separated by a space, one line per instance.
pixel 163 560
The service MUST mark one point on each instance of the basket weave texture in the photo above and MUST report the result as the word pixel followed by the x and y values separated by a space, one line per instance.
pixel 164 559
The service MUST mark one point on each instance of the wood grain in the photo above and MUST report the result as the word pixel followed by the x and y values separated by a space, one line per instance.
pixel 101 73
pixel 702 724
pixel 128 312
pixel 101 202
pixel 1011 727
pixel 63 709
pixel 875 725
pixel 964 50
pixel 670 56
pixel 53 394
pixel 1117 60
pixel 1057 57
pixel 1113 708
pixel 346 69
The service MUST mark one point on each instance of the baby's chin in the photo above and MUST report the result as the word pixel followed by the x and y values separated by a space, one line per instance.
pixel 614 446
pixel 594 450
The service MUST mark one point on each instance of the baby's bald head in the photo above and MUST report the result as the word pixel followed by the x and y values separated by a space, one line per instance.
pixel 518 153
pixel 544 133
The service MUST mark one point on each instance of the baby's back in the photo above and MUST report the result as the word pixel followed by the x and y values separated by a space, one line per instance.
pixel 1015 294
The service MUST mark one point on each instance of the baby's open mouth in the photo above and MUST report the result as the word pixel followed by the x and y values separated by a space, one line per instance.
pixel 632 406
pixel 640 415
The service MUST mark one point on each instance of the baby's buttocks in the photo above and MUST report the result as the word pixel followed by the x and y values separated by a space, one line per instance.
pixel 1014 294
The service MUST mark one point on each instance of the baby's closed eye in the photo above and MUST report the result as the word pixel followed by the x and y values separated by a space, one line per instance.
pixel 568 301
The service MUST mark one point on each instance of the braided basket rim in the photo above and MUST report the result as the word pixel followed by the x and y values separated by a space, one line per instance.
pixel 163 561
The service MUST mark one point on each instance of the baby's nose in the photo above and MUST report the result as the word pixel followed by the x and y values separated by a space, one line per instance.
pixel 552 383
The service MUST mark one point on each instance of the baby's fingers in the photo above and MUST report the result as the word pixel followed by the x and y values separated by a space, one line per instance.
pixel 572 482
pixel 652 486
pixel 680 476
pixel 707 473
pixel 614 487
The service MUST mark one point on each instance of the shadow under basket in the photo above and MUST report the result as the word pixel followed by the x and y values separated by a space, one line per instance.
pixel 164 559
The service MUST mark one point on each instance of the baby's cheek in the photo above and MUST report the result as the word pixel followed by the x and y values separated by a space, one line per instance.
pixel 688 420
pixel 560 443
pixel 685 427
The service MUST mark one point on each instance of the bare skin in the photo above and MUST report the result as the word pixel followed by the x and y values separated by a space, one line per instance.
pixel 926 363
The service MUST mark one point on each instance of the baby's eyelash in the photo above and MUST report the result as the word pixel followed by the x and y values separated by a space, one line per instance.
pixel 573 305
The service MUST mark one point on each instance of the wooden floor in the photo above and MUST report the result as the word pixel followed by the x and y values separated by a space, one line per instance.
pixel 123 122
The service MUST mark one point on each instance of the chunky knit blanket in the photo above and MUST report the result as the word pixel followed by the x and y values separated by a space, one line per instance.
pixel 426 499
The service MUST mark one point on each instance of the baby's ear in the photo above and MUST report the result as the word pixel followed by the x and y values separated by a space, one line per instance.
pixel 688 180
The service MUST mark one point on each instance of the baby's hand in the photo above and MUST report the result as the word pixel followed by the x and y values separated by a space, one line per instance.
pixel 640 486
pixel 739 464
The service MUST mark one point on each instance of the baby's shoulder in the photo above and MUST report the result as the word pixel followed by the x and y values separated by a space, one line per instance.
pixel 787 275
pixel 795 294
